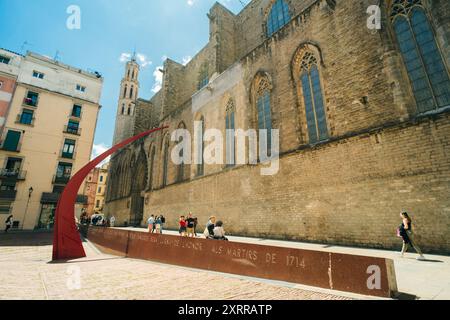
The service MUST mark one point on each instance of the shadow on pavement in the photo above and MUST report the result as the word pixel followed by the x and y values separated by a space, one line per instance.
pixel 405 296
pixel 26 239
pixel 83 261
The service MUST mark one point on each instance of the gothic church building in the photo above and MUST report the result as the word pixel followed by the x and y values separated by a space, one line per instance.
pixel 363 116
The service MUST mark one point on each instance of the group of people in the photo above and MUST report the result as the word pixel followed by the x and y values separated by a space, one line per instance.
pixel 188 226
pixel 214 229
pixel 156 224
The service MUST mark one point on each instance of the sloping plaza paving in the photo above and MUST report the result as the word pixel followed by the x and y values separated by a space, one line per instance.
pixel 27 274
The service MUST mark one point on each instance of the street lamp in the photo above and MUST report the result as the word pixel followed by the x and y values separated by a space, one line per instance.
pixel 30 192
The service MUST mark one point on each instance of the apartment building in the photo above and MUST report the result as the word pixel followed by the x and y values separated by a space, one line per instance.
pixel 47 136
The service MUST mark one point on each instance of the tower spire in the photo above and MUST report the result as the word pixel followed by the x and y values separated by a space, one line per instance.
pixel 133 58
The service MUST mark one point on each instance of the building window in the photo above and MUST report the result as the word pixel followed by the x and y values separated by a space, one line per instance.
pixel 1 84
pixel 73 127
pixel 76 111
pixel 129 110
pixel 131 92
pixel 101 178
pixel 123 108
pixel 81 88
pixel 68 149
pixel 423 60
pixel 38 75
pixel 4 60
pixel 264 110
pixel 125 92
pixel 230 134
pixel 63 172
pixel 12 168
pixel 165 162
pixel 31 99
pixel 313 99
pixel 97 204
pixel 278 17
pixel 203 78
pixel 99 189
pixel 26 117
pixel 12 141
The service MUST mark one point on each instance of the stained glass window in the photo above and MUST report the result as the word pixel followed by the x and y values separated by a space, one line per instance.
pixel 423 60
pixel 313 98
pixel 278 17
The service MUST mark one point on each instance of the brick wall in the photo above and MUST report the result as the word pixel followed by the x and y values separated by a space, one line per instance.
pixel 347 192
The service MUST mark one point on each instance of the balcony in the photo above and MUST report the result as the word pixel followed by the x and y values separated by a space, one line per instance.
pixel 12 174
pixel 61 179
pixel 11 149
pixel 19 121
pixel 72 130
pixel 54 197
pixel 8 195
pixel 29 102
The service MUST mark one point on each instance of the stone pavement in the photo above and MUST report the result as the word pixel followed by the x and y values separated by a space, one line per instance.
pixel 429 280
pixel 25 273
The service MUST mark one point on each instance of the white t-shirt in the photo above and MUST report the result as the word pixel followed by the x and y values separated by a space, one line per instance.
pixel 151 220
pixel 219 232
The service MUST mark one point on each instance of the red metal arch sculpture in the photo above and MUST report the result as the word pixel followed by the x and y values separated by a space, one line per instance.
pixel 66 238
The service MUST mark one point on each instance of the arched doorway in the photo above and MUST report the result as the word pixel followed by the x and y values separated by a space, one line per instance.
pixel 138 185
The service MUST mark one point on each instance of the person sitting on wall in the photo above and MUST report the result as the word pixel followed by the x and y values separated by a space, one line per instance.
pixel 219 232
pixel 150 223
pixel 209 230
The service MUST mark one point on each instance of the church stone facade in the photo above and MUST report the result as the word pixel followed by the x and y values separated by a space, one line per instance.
pixel 363 116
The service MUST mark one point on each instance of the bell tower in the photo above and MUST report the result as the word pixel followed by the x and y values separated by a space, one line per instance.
pixel 129 93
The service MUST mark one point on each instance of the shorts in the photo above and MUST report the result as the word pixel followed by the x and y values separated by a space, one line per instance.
pixel 190 230
pixel 182 229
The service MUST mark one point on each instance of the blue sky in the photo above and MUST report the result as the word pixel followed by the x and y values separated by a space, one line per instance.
pixel 110 28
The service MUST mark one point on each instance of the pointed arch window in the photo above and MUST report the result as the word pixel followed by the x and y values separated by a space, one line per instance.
pixel 152 163
pixel 123 108
pixel 200 156
pixel 264 117
pixel 129 110
pixel 125 91
pixel 180 173
pixel 165 161
pixel 313 99
pixel 131 92
pixel 230 134
pixel 203 77
pixel 423 60
pixel 278 17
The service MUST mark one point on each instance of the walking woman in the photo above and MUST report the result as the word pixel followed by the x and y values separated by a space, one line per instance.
pixel 406 232
pixel 9 223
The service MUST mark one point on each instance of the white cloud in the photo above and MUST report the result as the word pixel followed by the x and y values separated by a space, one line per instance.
pixel 124 57
pixel 140 57
pixel 186 60
pixel 190 2
pixel 99 149
pixel 158 75
pixel 143 60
